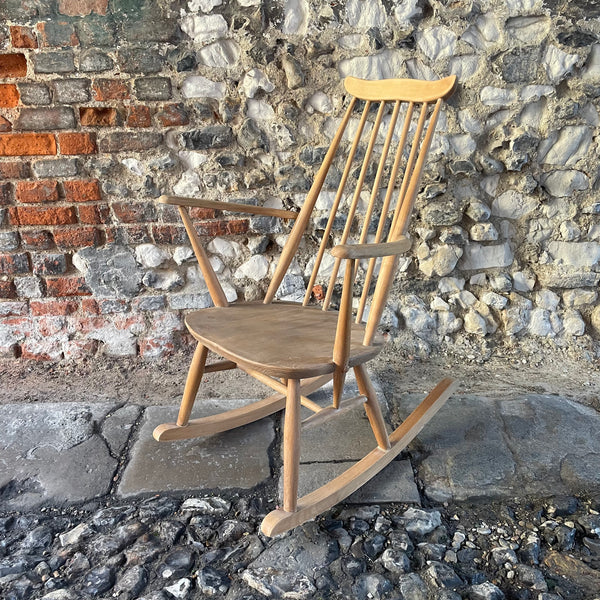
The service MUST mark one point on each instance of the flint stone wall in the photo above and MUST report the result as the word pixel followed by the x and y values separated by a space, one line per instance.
pixel 106 104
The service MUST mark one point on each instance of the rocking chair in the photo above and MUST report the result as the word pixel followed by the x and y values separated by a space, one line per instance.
pixel 295 348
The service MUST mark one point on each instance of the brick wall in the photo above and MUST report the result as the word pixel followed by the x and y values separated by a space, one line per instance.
pixel 106 104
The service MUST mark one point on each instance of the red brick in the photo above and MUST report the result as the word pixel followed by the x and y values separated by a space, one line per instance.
pixel 81 8
pixel 90 306
pixel 77 143
pixel 37 191
pixel 53 307
pixel 238 226
pixel 14 264
pixel 71 238
pixel 98 116
pixel 169 234
pixel 5 125
pixel 94 214
pixel 15 170
pixel 173 115
pixel 6 195
pixel 211 228
pixel 110 89
pixel 22 37
pixel 82 191
pixel 37 240
pixel 13 65
pixel 67 286
pixel 46 215
pixel 9 95
pixel 197 212
pixel 139 116
pixel 27 144
pixel 134 212
pixel 7 289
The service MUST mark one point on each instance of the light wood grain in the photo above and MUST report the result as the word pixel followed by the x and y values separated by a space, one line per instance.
pixel 228 206
pixel 191 385
pixel 168 432
pixel 291 446
pixel 323 498
pixel 407 90
pixel 281 340
pixel 358 251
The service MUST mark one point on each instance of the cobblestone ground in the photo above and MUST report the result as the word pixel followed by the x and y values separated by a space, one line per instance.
pixel 165 547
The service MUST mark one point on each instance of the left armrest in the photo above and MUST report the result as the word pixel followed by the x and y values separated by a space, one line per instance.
pixel 358 251
pixel 229 206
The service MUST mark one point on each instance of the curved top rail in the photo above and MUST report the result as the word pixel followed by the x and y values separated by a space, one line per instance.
pixel 407 90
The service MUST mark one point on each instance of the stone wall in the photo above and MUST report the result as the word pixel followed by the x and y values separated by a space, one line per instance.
pixel 106 104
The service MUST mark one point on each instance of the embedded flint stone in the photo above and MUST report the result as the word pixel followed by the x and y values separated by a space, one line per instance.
pixel 111 271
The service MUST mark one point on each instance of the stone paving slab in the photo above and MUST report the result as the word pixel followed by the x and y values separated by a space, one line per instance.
pixel 538 445
pixel 396 483
pixel 235 459
pixel 59 452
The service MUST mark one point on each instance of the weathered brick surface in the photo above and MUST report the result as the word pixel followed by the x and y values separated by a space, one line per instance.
pixel 98 116
pixel 36 240
pixel 5 125
pixel 34 93
pixel 56 167
pixel 71 91
pixel 82 191
pixel 23 37
pixel 81 8
pixel 49 264
pixel 27 144
pixel 53 307
pixel 13 65
pixel 33 215
pixel 6 194
pixel 77 143
pixel 110 89
pixel 14 170
pixel 73 238
pixel 57 33
pixel 46 119
pixel 61 61
pixel 67 286
pixel 9 95
pixel 139 116
pixel 13 264
pixel 37 191
pixel 130 141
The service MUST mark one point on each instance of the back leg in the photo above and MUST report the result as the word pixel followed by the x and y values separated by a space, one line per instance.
pixel 192 384
pixel 372 408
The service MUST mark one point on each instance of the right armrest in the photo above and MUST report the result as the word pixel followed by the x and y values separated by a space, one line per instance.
pixel 358 251
pixel 229 206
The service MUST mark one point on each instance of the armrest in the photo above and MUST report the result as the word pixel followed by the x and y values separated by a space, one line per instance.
pixel 229 206
pixel 357 251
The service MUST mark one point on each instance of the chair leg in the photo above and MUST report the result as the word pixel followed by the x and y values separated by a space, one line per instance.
pixel 372 407
pixel 191 385
pixel 291 446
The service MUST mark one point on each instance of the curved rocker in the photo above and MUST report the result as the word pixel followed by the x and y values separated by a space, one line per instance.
pixel 327 496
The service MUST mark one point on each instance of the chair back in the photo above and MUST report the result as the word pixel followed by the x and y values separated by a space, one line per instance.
pixel 370 178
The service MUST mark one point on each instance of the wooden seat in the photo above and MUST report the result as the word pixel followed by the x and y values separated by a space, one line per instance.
pixel 297 348
pixel 300 339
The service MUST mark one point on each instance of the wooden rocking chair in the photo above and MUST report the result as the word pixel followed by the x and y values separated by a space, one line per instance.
pixel 295 348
